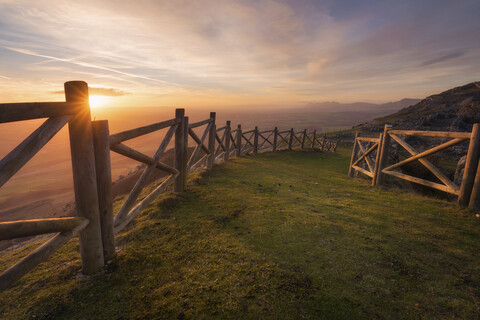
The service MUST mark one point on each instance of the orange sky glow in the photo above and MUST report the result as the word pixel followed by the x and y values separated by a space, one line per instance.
pixel 236 53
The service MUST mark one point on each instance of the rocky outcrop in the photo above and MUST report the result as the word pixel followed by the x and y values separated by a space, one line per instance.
pixel 456 109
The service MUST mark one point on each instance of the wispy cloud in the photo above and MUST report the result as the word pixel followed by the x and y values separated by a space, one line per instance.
pixel 108 92
pixel 442 58
pixel 345 50
pixel 85 64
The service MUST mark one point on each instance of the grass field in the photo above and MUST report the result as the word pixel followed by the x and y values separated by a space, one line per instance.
pixel 275 236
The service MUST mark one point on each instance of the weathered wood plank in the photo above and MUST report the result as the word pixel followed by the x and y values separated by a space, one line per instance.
pixel 275 139
pixel 143 204
pixel 239 135
pixel 440 175
pixel 424 182
pixel 471 164
pixel 138 156
pixel 199 146
pixel 104 186
pixel 202 161
pixel 377 160
pixel 199 123
pixel 132 197
pixel 29 147
pixel 366 172
pixel 375 140
pixel 353 159
pixel 366 157
pixel 198 141
pixel 424 153
pixel 255 141
pixel 85 178
pixel 211 141
pixel 180 158
pixel 140 131
pixel 27 228
pixel 370 150
pixel 439 134
pixel 226 156
pixel 384 144
pixel 24 266
pixel 10 112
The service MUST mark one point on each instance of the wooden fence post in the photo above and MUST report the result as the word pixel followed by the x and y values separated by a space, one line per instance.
pixel 303 138
pixel 180 156
pixel 471 163
pixel 84 177
pixel 383 154
pixel 239 140
pixel 103 170
pixel 185 153
pixel 475 196
pixel 228 132
pixel 314 138
pixel 211 142
pixel 255 141
pixel 354 155
pixel 377 160
pixel 275 139
pixel 290 141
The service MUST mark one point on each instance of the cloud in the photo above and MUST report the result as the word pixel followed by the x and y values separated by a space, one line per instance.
pixel 109 92
pixel 442 58
pixel 328 49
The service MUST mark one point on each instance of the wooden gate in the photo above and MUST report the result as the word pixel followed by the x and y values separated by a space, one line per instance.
pixel 468 192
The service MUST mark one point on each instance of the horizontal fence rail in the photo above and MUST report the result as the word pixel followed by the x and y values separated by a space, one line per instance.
pixel 91 144
pixel 370 156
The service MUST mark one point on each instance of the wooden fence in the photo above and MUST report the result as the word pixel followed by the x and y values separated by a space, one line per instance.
pixel 91 143
pixel 370 156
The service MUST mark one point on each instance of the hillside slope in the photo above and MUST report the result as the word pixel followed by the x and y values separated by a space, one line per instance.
pixel 456 109
pixel 276 236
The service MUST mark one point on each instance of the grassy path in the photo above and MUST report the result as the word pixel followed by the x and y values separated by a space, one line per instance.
pixel 276 236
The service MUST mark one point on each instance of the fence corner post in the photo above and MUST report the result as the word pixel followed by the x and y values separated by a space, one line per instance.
pixel 228 132
pixel 239 140
pixel 354 155
pixel 180 156
pixel 103 170
pixel 84 177
pixel 474 202
pixel 255 141
pixel 275 139
pixel 211 142
pixel 471 163
pixel 314 138
pixel 290 141
pixel 303 138
pixel 377 160
pixel 383 154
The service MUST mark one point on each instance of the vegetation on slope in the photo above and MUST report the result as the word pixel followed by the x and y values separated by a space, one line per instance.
pixel 284 235
pixel 456 109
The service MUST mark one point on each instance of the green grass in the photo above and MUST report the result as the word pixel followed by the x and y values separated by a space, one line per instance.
pixel 275 236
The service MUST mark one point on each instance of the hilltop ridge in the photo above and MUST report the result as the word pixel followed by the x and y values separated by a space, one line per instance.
pixel 456 109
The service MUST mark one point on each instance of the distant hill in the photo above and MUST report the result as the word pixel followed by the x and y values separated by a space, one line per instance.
pixel 456 109
pixel 364 107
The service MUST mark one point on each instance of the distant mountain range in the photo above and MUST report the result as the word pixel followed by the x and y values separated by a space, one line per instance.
pixel 456 109
pixel 383 108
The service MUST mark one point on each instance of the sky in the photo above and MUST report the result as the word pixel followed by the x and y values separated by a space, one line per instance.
pixel 203 53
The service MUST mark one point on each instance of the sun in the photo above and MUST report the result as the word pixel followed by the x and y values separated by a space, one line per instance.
pixel 99 101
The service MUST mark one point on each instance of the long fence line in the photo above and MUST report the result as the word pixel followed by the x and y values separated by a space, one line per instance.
pixel 91 143
pixel 370 156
